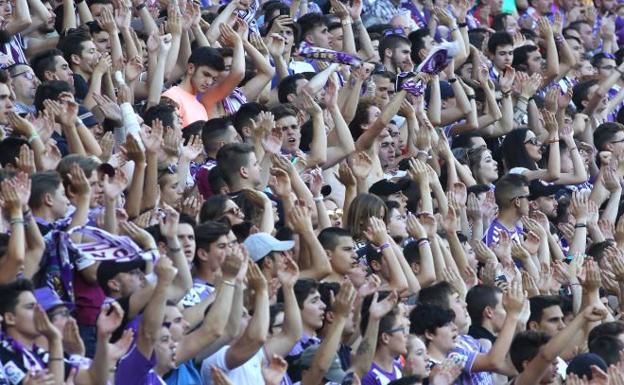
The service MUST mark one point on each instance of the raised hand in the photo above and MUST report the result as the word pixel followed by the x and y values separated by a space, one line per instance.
pixel 378 309
pixel 360 164
pixel 44 326
pixel 113 187
pixel 343 303
pixel 376 232
pixel 255 278
pixel 280 182
pixel 138 234
pixel 72 343
pixel 514 297
pixel 165 271
pixel 110 318
pixel 228 37
pixel 169 224
pixel 288 273
pixel 78 181
pixel 153 139
pixel 309 104
pixel 273 373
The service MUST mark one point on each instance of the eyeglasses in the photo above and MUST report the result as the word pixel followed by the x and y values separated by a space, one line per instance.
pixel 27 74
pixel 64 313
pixel 534 141
pixel 402 329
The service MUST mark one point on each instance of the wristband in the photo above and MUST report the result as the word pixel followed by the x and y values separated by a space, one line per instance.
pixel 470 97
pixel 422 241
pixel 32 137
pixel 580 225
pixel 174 249
pixel 505 94
pixel 229 283
pixel 462 25
pixel 140 7
pixel 17 221
pixel 384 246
pixel 346 22
pixel 452 80
pixel 318 199
pixel 55 359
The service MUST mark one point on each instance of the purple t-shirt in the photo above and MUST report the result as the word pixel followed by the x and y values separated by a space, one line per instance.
pixel 465 351
pixel 377 376
pixel 492 236
pixel 135 369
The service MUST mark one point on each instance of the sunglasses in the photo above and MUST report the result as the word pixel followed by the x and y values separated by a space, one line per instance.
pixel 534 141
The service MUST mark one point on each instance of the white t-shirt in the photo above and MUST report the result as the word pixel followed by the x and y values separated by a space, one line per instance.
pixel 249 373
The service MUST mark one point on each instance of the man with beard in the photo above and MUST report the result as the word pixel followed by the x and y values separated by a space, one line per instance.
pixel 25 85
pixel 542 198
pixel 45 36
pixel 202 73
pixel 395 52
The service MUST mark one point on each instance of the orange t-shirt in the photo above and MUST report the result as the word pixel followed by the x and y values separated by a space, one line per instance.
pixel 190 109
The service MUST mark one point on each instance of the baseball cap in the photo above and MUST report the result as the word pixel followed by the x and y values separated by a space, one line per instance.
pixel 260 245
pixel 48 299
pixel 384 187
pixel 581 364
pixel 87 117
pixel 334 373
pixel 109 269
pixel 538 189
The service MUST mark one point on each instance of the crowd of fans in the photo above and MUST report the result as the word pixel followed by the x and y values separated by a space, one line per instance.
pixel 376 192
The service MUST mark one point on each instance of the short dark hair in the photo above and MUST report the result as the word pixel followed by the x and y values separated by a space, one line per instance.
pixel 525 347
pixel 539 303
pixel 329 237
pixel 478 298
pixel 597 250
pixel 385 323
pixel 10 292
pixel 416 38
pixel 428 317
pixel 608 348
pixel 303 288
pixel 507 188
pixel 71 44
pixel 165 112
pixel 46 182
pixel 308 22
pixel 208 232
pixel 45 61
pixel 580 93
pixel 613 329
pixel 288 86
pixel 283 110
pixel 212 208
pixel 437 294
pixel 213 131
pixel 497 39
pixel 604 134
pixel 392 42
pixel 10 149
pixel 207 56
pixel 50 90
pixel 245 114
pixel 521 57
pixel 231 157
pixel 88 164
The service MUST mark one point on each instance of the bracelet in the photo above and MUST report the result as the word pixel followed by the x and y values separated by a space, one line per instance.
pixel 470 97
pixel 505 94
pixel 229 283
pixel 318 199
pixel 357 22
pixel 32 137
pixel 580 225
pixel 422 241
pixel 172 249
pixel 140 7
pixel 452 80
pixel 462 25
pixel 55 359
pixel 17 221
pixel 346 22
pixel 553 141
pixel 384 246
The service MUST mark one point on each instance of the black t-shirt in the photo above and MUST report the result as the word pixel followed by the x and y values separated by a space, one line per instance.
pixel 81 88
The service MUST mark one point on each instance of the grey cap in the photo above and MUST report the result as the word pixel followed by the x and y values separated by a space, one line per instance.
pixel 261 244
pixel 334 373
